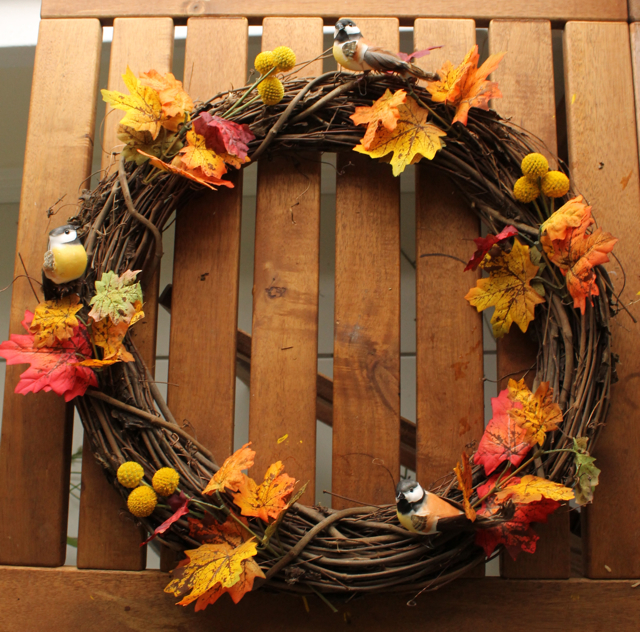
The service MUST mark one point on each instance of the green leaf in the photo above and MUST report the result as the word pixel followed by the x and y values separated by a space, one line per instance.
pixel 115 297
pixel 538 287
pixel 72 542
pixel 586 476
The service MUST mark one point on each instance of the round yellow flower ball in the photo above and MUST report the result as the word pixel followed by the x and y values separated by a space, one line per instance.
pixel 264 62
pixel 555 184
pixel 271 90
pixel 130 474
pixel 525 189
pixel 534 165
pixel 284 57
pixel 165 481
pixel 142 501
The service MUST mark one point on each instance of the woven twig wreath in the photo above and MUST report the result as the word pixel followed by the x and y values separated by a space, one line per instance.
pixel 359 549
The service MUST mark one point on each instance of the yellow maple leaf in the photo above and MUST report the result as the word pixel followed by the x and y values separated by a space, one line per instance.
pixel 195 154
pixel 574 216
pixel 110 337
pixel 465 485
pixel 175 101
pixel 230 475
pixel 412 138
pixel 143 109
pixel 508 289
pixel 532 488
pixel 539 414
pixel 55 320
pixel 208 566
pixel 383 112
pixel 267 499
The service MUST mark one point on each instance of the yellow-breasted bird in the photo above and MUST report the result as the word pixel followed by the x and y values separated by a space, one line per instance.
pixel 64 261
pixel 421 511
pixel 352 52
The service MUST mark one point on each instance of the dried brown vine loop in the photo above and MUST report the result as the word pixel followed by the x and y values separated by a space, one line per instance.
pixel 360 549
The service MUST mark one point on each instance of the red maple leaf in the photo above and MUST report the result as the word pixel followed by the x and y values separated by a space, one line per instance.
pixel 485 244
pixel 53 368
pixel 224 137
pixel 181 510
pixel 503 438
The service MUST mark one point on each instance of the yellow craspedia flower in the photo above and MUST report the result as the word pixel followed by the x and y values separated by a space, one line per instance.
pixel 284 57
pixel 142 501
pixel 525 189
pixel 534 165
pixel 555 184
pixel 271 90
pixel 264 62
pixel 130 474
pixel 165 481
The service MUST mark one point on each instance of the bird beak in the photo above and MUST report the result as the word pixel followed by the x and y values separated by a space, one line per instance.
pixel 400 496
pixel 341 27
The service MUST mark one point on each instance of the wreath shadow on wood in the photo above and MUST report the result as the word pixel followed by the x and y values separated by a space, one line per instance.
pixel 359 549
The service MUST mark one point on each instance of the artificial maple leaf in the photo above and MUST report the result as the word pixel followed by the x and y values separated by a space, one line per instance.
pixel 208 531
pixel 412 139
pixel 574 216
pixel 230 475
pixel 53 368
pixel 267 499
pixel 539 413
pixel 208 566
pixel 223 136
pixel 55 320
pixel 196 155
pixel 175 101
pixel 484 244
pixel 115 297
pixel 508 288
pixel 182 510
pixel 384 112
pixel 577 256
pixel 533 488
pixel 504 439
pixel 143 109
pixel 110 337
pixel 587 475
pixel 465 485
pixel 467 86
pixel 177 166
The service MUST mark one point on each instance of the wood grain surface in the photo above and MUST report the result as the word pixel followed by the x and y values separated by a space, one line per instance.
pixel 36 430
pixel 107 536
pixel 603 155
pixel 284 350
pixel 526 80
pixel 486 10
pixel 107 601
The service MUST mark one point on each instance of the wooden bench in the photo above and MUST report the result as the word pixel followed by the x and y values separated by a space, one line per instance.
pixel 110 589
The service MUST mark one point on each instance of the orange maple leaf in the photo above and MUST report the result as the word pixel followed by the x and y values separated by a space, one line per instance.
pixel 195 154
pixel 465 485
pixel 531 489
pixel 574 216
pixel 267 499
pixel 577 256
pixel 110 338
pixel 213 532
pixel 384 112
pixel 230 475
pixel 55 320
pixel 175 101
pixel 466 86
pixel 539 414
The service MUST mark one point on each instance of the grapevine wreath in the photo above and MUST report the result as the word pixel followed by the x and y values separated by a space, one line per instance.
pixel 542 271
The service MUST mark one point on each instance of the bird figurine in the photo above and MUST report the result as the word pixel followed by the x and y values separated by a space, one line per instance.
pixel 421 511
pixel 65 261
pixel 352 52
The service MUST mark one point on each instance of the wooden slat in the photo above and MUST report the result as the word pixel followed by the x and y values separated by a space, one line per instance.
pixel 366 352
pixel 206 258
pixel 486 10
pixel 450 412
pixel 529 101
pixel 106 601
pixel 107 537
pixel 603 154
pixel 285 289
pixel 36 431
pixel 634 10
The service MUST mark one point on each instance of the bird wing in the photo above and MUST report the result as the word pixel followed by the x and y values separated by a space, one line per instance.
pixel 381 60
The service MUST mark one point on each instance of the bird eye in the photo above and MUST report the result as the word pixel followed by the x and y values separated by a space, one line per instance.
pixel 66 232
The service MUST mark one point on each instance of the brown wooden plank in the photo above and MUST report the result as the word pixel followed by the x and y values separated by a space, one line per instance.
pixel 366 351
pixel 206 260
pixel 104 601
pixel 107 537
pixel 634 10
pixel 486 10
pixel 602 131
pixel 36 431
pixel 529 101
pixel 285 289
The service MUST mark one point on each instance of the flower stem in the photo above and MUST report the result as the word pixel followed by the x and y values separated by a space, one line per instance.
pixel 239 102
